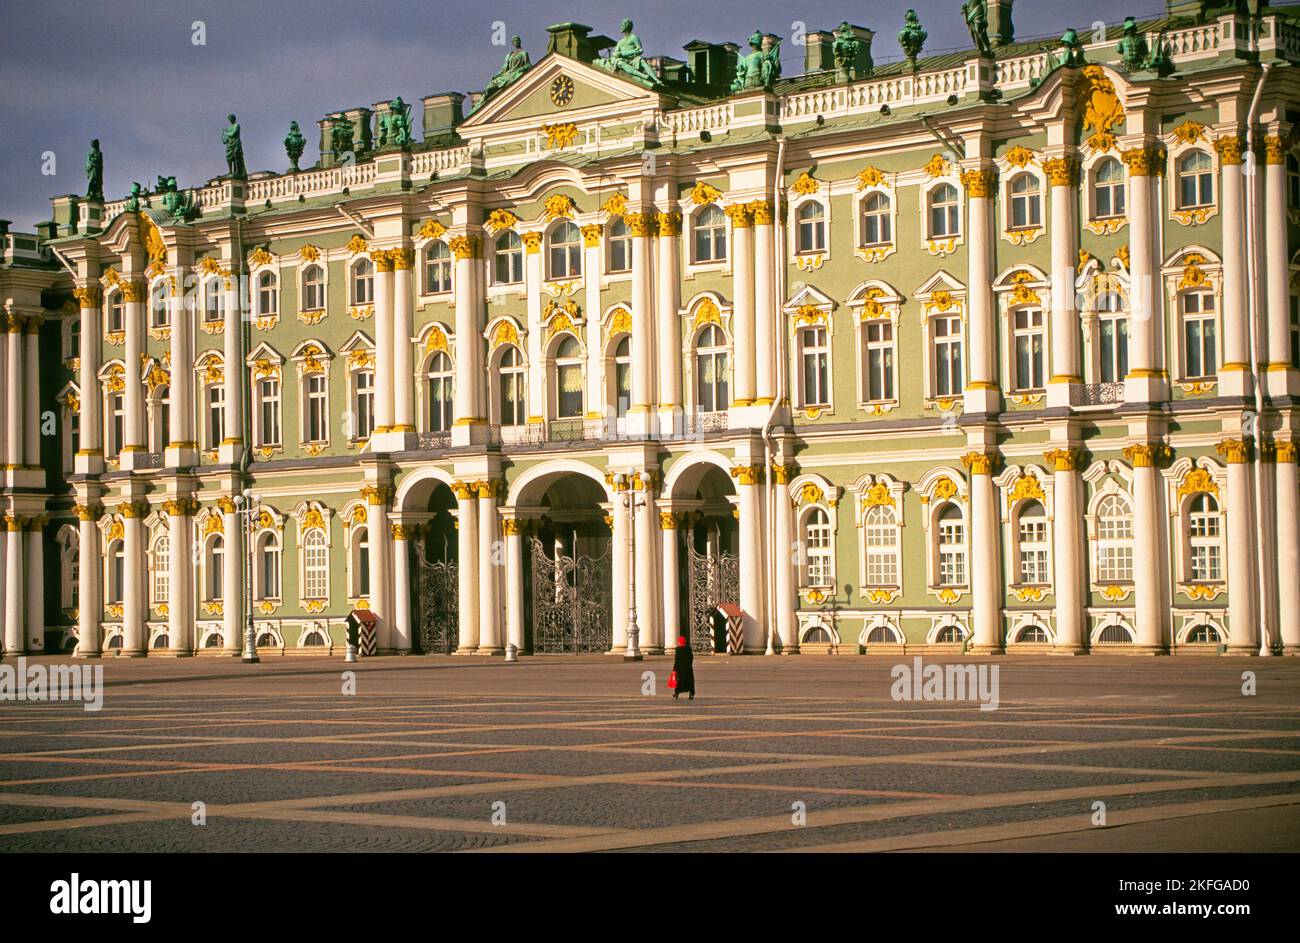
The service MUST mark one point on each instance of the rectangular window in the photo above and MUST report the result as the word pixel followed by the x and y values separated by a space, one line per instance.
pixel 1033 551
pixel 216 414
pixel 268 392
pixel 816 367
pixel 1113 349
pixel 879 360
pixel 1295 331
pixel 1199 335
pixel 365 404
pixel 952 553
pixel 882 553
pixel 317 417
pixel 947 356
pixel 1028 333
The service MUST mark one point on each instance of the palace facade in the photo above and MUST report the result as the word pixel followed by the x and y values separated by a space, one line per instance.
pixel 998 352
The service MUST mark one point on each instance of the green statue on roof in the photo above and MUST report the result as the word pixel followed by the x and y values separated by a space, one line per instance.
pixel 1071 50
pixel 340 135
pixel 234 150
pixel 516 64
pixel 133 201
pixel 911 38
pixel 845 49
pixel 759 68
pixel 294 143
pixel 395 124
pixel 180 206
pixel 976 14
pixel 628 58
pixel 95 173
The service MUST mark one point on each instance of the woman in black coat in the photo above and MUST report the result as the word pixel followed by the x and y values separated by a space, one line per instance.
pixel 682 666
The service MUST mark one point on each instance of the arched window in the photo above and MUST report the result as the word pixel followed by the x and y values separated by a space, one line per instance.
pixel 437 268
pixel 363 282
pixel 819 552
pixel 943 204
pixel 947 344
pixel 214 300
pixel 161 569
pixel 116 313
pixel 1031 543
pixel 1203 635
pixel 814 360
pixel 952 546
pixel 1199 347
pixel 619 241
pixel 509 254
pixel 1112 336
pixel 266 572
pixel 950 633
pixel 710 230
pixel 159 313
pixel 623 377
pixel 1027 353
pixel 1195 180
pixel 877 225
pixel 439 393
pixel 1203 529
pixel 1114 541
pixel 268 296
pixel 268 411
pixel 711 392
pixel 512 409
pixel 313 288
pixel 215 563
pixel 315 566
pixel 880 533
pixel 363 402
pixel 116 571
pixel 568 379
pixel 1108 194
pixel 564 255
pixel 1026 202
pixel 812 227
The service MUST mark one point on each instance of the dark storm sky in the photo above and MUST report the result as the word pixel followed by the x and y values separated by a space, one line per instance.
pixel 129 74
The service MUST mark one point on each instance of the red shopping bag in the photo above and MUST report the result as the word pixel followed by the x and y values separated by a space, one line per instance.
pixel 672 680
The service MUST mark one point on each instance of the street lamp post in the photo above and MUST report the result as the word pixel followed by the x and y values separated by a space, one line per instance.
pixel 244 511
pixel 632 652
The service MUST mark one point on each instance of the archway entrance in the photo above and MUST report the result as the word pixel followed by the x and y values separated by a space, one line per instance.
pixel 567 571
pixel 709 555
pixel 435 550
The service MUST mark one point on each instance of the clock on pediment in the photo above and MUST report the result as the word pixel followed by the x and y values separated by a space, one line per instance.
pixel 562 90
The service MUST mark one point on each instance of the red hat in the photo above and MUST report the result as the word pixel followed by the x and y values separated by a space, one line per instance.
pixel 681 641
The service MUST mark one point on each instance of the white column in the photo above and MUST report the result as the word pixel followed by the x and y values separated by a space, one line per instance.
pixel 35 585
pixel 470 369
pixel 742 272
pixel 1236 327
pixel 181 389
pixel 1288 547
pixel 536 392
pixel 1063 175
pixel 749 490
pixel 379 537
pixel 133 294
pixel 13 627
pixel 467 566
pixel 1143 383
pixel 1243 584
pixel 765 305
pixel 985 555
pixel 489 569
pixel 14 394
pixel 641 226
pixel 982 393
pixel 134 569
pixel 32 395
pixel 787 629
pixel 671 604
pixel 232 574
pixel 619 567
pixel 403 368
pixel 90 569
pixel 1068 549
pixel 180 570
pixel 667 301
pixel 651 639
pixel 514 582
pixel 403 632
pixel 383 260
pixel 90 404
pixel 1149 589
pixel 235 381
pixel 1277 268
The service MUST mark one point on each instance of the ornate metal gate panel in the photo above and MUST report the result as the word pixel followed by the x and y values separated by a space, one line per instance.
pixel 439 590
pixel 711 580
pixel 571 602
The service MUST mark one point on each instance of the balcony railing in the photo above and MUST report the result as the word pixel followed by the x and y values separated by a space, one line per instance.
pixel 577 430
pixel 431 441
pixel 697 423
pixel 532 433
pixel 1096 394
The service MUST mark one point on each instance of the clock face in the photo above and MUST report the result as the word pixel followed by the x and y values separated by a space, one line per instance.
pixel 562 90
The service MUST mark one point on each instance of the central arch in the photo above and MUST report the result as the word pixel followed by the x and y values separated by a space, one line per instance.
pixel 426 509
pixel 704 498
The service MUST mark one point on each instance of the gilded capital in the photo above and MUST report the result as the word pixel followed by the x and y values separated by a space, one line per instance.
pixel 980 183
pixel 1064 460
pixel 226 504
pixel 132 510
pixel 591 234
pixel 781 474
pixel 1144 161
pixel 383 259
pixel 532 242
pixel 740 215
pixel 747 474
pixel 511 526
pixel 640 224
pixel 668 224
pixel 667 520
pixel 979 463
pixel 1231 151
pixel 1236 451
pixel 463 490
pixel 88 296
pixel 1274 150
pixel 399 531
pixel 463 247
pixel 1285 449
pixel 1061 171
pixel 1147 454
pixel 403 259
pixel 88 512
pixel 132 291
pixel 761 210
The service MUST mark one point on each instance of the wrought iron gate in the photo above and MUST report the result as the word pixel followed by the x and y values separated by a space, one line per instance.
pixel 439 590
pixel 570 602
pixel 712 579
